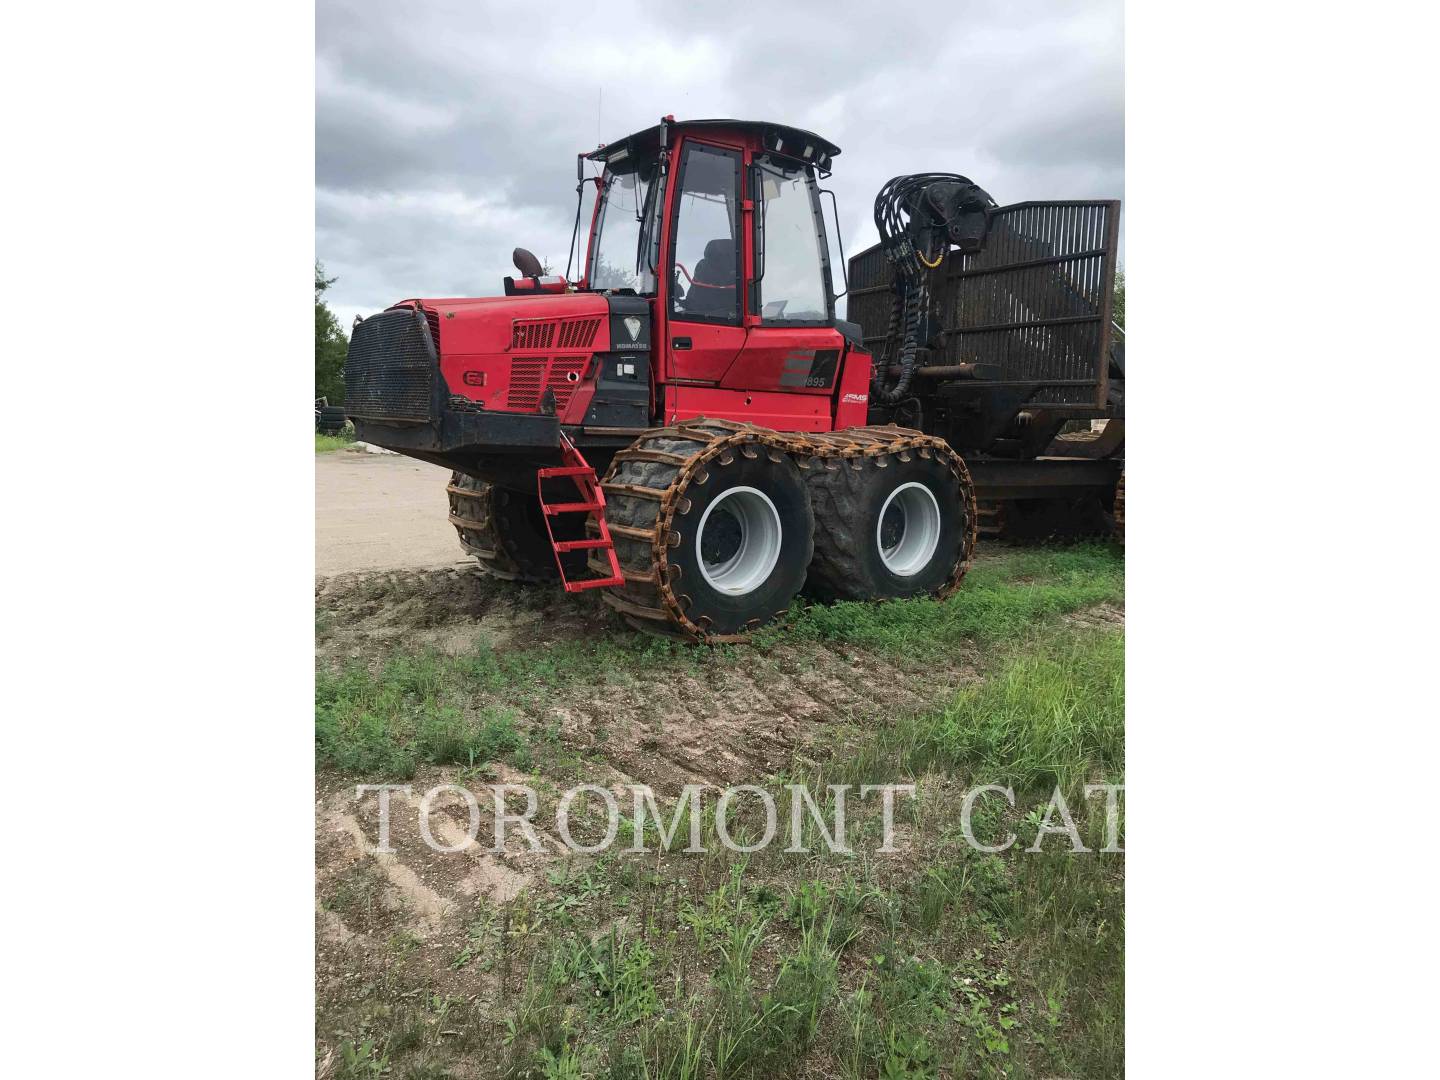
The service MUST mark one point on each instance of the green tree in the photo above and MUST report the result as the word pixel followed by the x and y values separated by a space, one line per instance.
pixel 331 344
pixel 1118 312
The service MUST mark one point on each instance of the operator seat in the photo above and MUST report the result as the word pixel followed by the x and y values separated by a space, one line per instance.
pixel 713 290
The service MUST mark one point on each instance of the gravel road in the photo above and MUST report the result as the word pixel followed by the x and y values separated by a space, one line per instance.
pixel 381 512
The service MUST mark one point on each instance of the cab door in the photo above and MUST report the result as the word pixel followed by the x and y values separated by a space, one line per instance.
pixel 704 326
pixel 792 346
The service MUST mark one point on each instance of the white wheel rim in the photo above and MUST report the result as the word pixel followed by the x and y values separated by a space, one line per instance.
pixel 750 564
pixel 920 530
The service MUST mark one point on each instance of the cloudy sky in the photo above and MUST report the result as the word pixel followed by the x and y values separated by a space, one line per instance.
pixel 446 132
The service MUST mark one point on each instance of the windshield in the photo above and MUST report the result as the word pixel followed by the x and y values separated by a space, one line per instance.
pixel 617 258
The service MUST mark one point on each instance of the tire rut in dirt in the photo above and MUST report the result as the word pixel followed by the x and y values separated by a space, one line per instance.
pixel 368 614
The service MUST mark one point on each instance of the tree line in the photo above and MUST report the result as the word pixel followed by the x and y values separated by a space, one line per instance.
pixel 331 344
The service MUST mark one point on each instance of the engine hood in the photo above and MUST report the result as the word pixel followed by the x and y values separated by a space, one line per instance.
pixel 487 324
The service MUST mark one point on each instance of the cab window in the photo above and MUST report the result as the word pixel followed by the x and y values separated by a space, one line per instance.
pixel 706 270
pixel 790 283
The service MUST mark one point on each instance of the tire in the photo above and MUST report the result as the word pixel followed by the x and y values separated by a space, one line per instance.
pixel 712 527
pixel 504 530
pixel 330 420
pixel 744 542
pixel 890 526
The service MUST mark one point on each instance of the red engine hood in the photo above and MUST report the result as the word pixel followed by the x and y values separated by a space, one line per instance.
pixel 484 324
pixel 516 353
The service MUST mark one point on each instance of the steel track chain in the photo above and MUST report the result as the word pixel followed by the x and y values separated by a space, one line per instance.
pixel 649 599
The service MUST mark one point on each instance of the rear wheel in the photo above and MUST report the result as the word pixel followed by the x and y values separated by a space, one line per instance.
pixel 505 530
pixel 890 525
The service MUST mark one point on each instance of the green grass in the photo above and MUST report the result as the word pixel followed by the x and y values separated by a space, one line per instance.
pixel 326 443
pixel 421 706
pixel 1054 715
pixel 998 601
pixel 948 961
pixel 971 964
pixel 413 710
pixel 982 965
pixel 1050 713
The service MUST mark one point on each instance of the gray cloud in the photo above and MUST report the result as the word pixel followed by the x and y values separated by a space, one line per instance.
pixel 446 132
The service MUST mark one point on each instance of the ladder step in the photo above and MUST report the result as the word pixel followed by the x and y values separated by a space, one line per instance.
pixel 580 545
pixel 593 583
pixel 587 486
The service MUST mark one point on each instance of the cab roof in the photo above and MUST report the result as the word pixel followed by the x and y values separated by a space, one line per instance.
pixel 779 138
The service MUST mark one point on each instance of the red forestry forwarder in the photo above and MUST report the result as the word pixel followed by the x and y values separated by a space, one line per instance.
pixel 751 443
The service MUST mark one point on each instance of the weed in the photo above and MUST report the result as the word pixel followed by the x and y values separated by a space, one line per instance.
pixel 616 972
pixel 1052 714
pixel 362 1060
pixel 387 724
pixel 326 443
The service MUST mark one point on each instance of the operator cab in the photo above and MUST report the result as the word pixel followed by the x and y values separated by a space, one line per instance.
pixel 718 224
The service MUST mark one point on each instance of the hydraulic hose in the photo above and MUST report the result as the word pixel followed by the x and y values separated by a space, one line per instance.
pixel 916 215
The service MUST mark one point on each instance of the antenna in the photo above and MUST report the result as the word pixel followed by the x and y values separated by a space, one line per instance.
pixel 599 102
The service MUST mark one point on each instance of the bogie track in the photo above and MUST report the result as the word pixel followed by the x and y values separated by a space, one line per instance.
pixel 661 491
pixel 504 530
pixel 894 518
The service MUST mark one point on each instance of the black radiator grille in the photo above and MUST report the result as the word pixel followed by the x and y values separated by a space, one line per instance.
pixel 1036 302
pixel 390 369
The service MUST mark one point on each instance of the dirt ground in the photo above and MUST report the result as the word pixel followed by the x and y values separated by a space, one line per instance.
pixel 380 512
pixel 723 721
pixel 391 578
pixel 729 719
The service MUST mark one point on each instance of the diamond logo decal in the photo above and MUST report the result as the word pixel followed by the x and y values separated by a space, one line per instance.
pixel 632 327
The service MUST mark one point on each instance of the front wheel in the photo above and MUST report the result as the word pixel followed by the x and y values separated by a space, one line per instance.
pixel 891 525
pixel 504 529
pixel 739 550
pixel 712 528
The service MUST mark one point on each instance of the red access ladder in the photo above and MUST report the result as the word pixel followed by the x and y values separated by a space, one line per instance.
pixel 592 501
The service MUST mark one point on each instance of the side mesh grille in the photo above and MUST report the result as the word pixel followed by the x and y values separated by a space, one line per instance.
pixel 533 335
pixel 554 333
pixel 527 375
pixel 390 369
pixel 578 333
pixel 531 376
